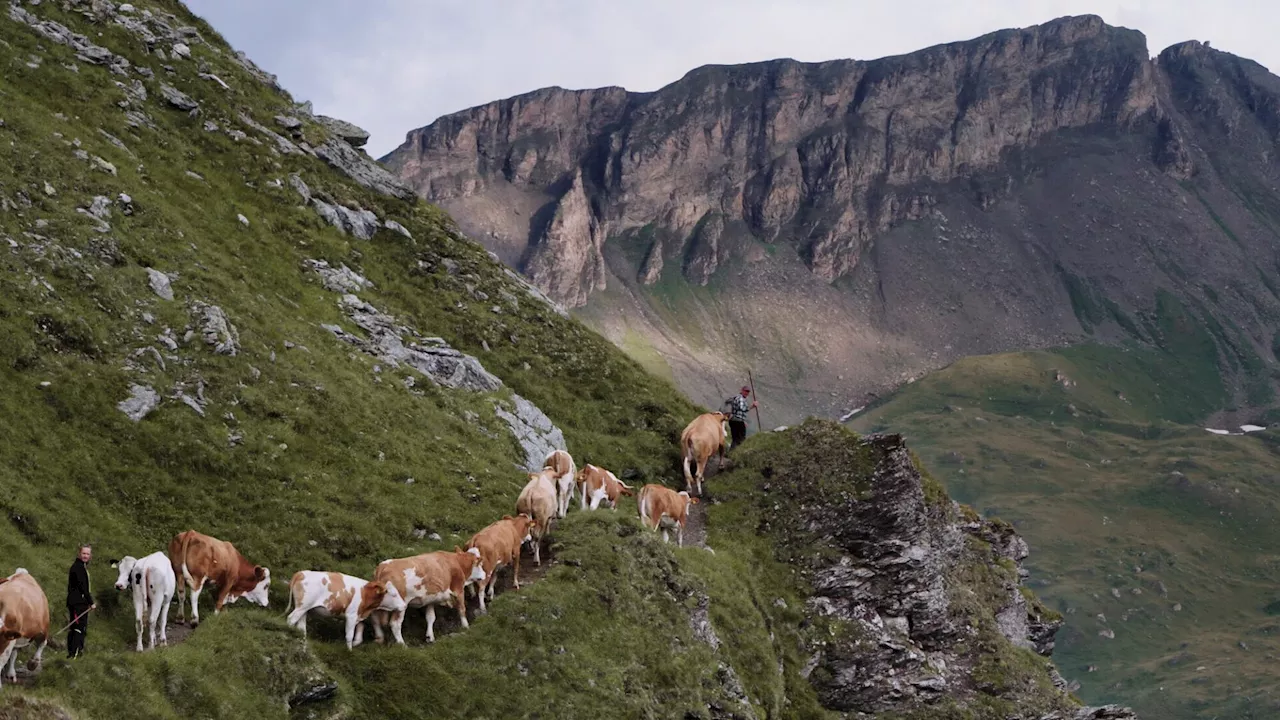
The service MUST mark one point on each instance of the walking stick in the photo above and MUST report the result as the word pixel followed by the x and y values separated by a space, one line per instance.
pixel 73 622
pixel 751 380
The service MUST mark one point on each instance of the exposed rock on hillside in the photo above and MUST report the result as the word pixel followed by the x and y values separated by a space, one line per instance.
pixel 924 597
pixel 857 223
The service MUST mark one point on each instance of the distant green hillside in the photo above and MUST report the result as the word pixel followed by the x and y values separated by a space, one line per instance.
pixel 1143 524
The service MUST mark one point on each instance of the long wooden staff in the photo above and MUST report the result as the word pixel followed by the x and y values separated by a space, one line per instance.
pixel 759 427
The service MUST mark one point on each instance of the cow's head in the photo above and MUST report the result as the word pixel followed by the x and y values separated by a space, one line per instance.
pixel 379 595
pixel 687 499
pixel 125 565
pixel 258 593
pixel 477 572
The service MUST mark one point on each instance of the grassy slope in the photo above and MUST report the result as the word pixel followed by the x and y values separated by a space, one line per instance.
pixel 319 480
pixel 1116 497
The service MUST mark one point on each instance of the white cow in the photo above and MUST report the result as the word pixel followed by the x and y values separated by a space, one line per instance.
pixel 153 584
pixel 331 594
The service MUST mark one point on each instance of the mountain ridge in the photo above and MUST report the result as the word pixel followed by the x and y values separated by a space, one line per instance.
pixel 827 185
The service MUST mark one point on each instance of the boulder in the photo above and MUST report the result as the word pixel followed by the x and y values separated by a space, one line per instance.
pixel 345 131
pixel 141 401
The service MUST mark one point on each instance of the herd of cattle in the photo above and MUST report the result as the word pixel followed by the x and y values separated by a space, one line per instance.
pixel 426 580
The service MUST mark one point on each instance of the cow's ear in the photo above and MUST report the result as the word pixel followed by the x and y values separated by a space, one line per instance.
pixel 113 563
pixel 259 572
pixel 457 549
pixel 506 517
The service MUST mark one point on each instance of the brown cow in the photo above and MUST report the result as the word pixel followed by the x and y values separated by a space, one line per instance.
pixel 198 558
pixel 562 467
pixel 337 595
pixel 663 507
pixel 499 545
pixel 538 501
pixel 24 619
pixel 600 484
pixel 430 579
pixel 700 439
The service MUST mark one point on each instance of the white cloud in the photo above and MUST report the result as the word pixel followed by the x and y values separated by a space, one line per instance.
pixel 394 65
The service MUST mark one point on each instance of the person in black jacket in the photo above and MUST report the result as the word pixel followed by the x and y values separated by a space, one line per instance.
pixel 79 601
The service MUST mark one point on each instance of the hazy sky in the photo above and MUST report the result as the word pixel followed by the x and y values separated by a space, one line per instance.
pixel 394 65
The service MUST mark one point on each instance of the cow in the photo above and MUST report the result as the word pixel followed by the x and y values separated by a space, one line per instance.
pixel 499 545
pixel 332 594
pixel 24 619
pixel 702 438
pixel 198 558
pixel 598 484
pixel 153 583
pixel 563 469
pixel 435 578
pixel 663 507
pixel 538 501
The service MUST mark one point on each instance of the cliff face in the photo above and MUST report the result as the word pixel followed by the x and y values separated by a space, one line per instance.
pixel 916 604
pixel 1029 155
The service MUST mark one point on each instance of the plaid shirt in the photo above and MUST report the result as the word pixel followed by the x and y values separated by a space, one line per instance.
pixel 738 408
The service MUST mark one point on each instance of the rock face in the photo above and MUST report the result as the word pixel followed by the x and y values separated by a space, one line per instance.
pixel 923 598
pixel 905 211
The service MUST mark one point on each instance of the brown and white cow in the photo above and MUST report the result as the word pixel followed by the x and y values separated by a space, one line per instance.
pixel 701 438
pixel 430 579
pixel 663 507
pixel 198 559
pixel 499 546
pixel 24 619
pixel 538 501
pixel 597 484
pixel 561 464
pixel 334 594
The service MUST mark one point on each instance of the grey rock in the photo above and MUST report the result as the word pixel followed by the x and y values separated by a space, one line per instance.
pixel 243 220
pixel 435 537
pixel 141 401
pixel 194 175
pixel 160 284
pixel 181 50
pixel 48 190
pixel 103 165
pixel 535 293
pixel 257 72
pixel 345 131
pixel 295 182
pixel 436 361
pixel 341 279
pixel 283 145
pixel 177 98
pixel 215 79
pixel 288 123
pixel 354 221
pixel 100 207
pixel 329 214
pixel 535 432
pixel 216 329
pixel 362 169
pixel 394 226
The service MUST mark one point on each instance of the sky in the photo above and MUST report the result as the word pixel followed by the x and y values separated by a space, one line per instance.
pixel 391 66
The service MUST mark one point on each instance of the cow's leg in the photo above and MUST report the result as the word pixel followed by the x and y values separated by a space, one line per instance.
pixel 583 497
pixel 595 501
pixel 680 536
pixel 34 664
pixel 7 651
pixel 351 630
pixel 397 624
pixel 515 569
pixel 359 638
pixel 688 476
pixel 164 620
pixel 182 600
pixel 378 619
pixel 461 605
pixel 195 603
pixel 140 620
pixel 665 537
pixel 298 618
pixel 11 668
pixel 431 623
pixel 156 609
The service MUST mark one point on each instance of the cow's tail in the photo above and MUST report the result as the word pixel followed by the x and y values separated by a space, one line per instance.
pixel 289 605
pixel 688 455
pixel 182 553
pixel 626 489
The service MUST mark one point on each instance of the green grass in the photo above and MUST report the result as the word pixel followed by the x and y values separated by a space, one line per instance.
pixel 1118 485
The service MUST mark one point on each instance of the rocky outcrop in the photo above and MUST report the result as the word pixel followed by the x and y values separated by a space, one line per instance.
pixel 922 597
pixel 567 268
